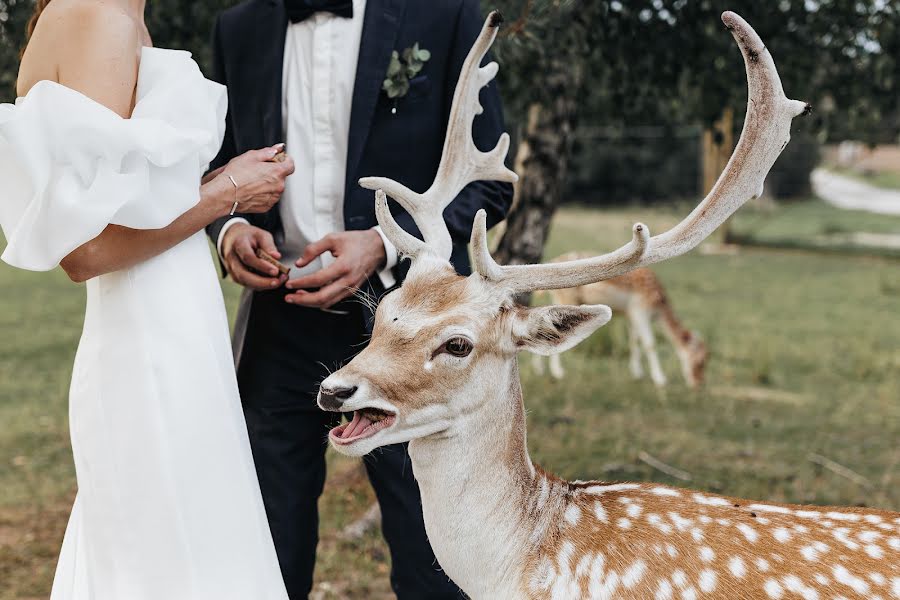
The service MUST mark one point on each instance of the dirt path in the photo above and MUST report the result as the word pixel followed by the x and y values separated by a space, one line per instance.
pixel 848 193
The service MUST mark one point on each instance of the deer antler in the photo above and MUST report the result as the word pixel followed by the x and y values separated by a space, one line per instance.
pixel 461 162
pixel 766 132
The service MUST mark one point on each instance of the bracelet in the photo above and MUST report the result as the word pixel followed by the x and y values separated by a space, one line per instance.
pixel 235 205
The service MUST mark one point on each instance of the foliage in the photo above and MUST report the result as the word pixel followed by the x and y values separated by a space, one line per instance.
pixel 668 62
pixel 403 68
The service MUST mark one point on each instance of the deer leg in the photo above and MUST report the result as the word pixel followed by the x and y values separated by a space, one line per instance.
pixel 634 358
pixel 640 320
pixel 556 369
pixel 537 363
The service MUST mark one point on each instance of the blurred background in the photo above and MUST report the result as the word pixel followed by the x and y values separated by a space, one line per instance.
pixel 620 111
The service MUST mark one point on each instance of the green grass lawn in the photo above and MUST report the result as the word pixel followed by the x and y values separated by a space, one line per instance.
pixel 805 359
pixel 814 225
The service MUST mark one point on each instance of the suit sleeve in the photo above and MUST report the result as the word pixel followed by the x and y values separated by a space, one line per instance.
pixel 228 150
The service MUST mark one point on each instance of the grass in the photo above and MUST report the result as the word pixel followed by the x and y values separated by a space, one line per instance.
pixel 805 359
pixel 814 225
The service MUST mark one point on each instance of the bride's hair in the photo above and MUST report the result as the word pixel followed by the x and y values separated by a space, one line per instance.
pixel 39 7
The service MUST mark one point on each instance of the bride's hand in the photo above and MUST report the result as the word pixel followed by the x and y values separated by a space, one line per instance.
pixel 259 180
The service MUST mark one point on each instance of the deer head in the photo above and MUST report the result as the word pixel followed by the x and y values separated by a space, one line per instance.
pixel 442 344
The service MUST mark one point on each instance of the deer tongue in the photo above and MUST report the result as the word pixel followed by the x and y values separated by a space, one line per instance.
pixel 356 426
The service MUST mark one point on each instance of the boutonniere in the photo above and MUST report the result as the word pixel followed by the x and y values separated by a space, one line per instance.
pixel 403 67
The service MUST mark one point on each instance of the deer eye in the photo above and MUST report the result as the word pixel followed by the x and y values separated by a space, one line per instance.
pixel 458 346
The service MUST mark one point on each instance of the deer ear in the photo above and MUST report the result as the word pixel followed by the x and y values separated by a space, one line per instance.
pixel 551 329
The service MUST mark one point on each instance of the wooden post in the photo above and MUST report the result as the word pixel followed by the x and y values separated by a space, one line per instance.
pixel 716 148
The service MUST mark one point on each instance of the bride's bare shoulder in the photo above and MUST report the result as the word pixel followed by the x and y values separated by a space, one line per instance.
pixel 92 46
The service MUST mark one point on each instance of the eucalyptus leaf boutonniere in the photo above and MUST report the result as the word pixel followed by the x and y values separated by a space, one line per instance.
pixel 403 67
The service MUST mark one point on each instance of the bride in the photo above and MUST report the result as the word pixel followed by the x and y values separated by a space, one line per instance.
pixel 101 158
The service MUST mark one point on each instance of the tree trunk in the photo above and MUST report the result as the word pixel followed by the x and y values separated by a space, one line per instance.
pixel 542 162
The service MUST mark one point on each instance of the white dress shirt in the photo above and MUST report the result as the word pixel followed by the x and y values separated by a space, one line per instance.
pixel 320 59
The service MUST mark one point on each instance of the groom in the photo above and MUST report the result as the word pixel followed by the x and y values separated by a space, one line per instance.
pixel 312 73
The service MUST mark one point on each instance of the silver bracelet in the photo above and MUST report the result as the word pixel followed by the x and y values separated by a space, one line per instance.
pixel 235 205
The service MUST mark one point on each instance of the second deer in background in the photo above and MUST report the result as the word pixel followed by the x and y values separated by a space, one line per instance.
pixel 639 296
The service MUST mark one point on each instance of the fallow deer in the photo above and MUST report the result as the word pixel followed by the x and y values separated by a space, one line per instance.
pixel 640 296
pixel 441 373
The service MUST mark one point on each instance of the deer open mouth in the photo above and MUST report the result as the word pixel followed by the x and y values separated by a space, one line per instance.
pixel 366 422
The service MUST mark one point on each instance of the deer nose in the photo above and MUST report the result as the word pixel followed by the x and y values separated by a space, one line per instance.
pixel 333 397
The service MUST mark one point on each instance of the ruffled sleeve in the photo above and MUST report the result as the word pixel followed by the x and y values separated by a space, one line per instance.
pixel 69 166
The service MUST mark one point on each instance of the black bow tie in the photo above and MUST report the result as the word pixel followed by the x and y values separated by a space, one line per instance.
pixel 299 10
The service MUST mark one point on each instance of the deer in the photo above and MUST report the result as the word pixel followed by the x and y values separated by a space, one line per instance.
pixel 641 297
pixel 441 373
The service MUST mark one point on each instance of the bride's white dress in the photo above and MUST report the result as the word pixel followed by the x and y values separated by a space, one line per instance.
pixel 168 504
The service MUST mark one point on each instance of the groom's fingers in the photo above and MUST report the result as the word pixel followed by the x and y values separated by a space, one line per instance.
pixel 320 278
pixel 326 297
pixel 247 255
pixel 244 276
pixel 315 249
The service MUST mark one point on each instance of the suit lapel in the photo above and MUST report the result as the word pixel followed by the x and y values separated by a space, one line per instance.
pixel 271 29
pixel 380 28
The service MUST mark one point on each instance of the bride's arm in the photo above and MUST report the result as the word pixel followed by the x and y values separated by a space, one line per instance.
pixel 101 62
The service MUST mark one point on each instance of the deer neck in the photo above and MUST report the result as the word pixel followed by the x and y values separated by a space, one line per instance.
pixel 478 488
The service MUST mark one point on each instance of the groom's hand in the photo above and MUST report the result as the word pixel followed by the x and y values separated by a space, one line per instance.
pixel 358 254
pixel 239 255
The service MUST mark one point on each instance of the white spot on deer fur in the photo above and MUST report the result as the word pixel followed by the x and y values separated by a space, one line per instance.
pixel 670 549
pixel 808 514
pixel 873 519
pixel 874 551
pixel 707 554
pixel 661 491
pixel 770 508
pixel 680 522
pixel 657 522
pixel 737 567
pixel 711 500
pixel 842 575
pixel 615 487
pixel 773 589
pixel 573 514
pixel 633 575
pixel 794 584
pixel 706 520
pixel 781 534
pixel 868 536
pixel 877 578
pixel 748 532
pixel 633 511
pixel 894 543
pixel 606 589
pixel 813 551
pixel 895 587
pixel 679 578
pixel 723 522
pixel 762 564
pixel 822 579
pixel 600 512
pixel 839 516
pixel 763 521
pixel 707 581
pixel 696 535
pixel 583 565
pixel 664 591
pixel 689 594
pixel 801 528
pixel 841 534
pixel 623 523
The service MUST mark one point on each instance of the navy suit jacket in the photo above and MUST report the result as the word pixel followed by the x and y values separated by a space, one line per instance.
pixel 406 146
